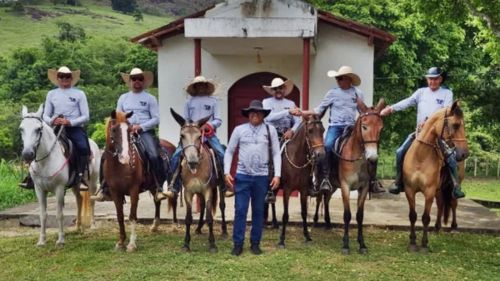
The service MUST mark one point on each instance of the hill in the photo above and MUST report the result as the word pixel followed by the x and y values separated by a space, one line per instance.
pixel 96 17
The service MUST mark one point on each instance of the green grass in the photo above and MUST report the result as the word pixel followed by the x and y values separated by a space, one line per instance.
pixel 91 256
pixel 480 188
pixel 97 20
pixel 10 194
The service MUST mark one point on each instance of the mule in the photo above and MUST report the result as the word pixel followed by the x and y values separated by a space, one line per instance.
pixel 298 158
pixel 198 174
pixel 125 174
pixel 424 161
pixel 50 172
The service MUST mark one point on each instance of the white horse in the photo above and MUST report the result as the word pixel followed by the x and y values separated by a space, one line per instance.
pixel 50 171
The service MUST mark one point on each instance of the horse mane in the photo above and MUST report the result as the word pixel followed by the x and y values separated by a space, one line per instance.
pixel 120 118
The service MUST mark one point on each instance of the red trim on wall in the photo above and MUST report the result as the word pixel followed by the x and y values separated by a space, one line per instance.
pixel 197 57
pixel 305 73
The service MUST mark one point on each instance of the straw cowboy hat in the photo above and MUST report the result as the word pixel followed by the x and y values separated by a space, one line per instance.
pixel 200 80
pixel 52 75
pixel 148 77
pixel 345 71
pixel 277 82
pixel 255 105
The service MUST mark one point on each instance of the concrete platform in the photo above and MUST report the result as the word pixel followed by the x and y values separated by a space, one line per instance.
pixel 390 211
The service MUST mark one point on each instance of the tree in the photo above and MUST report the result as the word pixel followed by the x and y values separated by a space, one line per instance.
pixel 125 6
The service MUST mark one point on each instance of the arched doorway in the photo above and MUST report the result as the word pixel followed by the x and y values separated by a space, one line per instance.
pixel 249 88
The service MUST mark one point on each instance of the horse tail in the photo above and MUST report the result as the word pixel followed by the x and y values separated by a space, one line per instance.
pixel 86 206
pixel 170 203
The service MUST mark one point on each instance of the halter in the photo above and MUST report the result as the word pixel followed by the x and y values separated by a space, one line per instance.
pixel 132 148
pixel 39 140
pixel 198 148
pixel 309 148
pixel 441 136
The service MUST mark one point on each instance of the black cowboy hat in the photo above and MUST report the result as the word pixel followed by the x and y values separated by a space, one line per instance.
pixel 255 105
pixel 434 72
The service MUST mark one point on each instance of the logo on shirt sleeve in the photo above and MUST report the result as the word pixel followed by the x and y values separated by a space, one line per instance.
pixel 72 99
pixel 440 101
pixel 143 103
pixel 208 107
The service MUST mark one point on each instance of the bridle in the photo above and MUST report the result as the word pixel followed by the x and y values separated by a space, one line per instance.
pixel 197 147
pixel 310 147
pixel 39 139
pixel 132 140
pixel 441 136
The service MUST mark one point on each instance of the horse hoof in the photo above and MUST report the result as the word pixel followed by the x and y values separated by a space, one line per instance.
pixel 59 244
pixel 186 249
pixel 131 248
pixel 224 236
pixel 198 231
pixel 40 244
pixel 329 226
pixel 308 241
pixel 213 250
pixel 424 250
pixel 276 226
pixel 154 229
pixel 281 246
pixel 316 224
pixel 412 248
pixel 345 251
pixel 363 251
pixel 119 247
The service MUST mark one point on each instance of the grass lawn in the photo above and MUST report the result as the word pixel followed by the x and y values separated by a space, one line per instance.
pixel 91 256
pixel 485 189
pixel 10 194
pixel 98 21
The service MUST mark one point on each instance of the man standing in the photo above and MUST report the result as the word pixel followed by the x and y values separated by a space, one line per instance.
pixel 145 119
pixel 428 100
pixel 252 175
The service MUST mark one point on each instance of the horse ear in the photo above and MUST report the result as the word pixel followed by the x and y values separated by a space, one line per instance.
pixel 113 114
pixel 180 120
pixel 129 114
pixel 202 121
pixel 40 111
pixel 454 106
pixel 361 105
pixel 380 105
pixel 24 111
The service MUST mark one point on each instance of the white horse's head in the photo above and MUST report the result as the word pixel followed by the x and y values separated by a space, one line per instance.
pixel 31 128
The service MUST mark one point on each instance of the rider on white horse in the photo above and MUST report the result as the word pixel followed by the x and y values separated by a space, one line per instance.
pixel 67 106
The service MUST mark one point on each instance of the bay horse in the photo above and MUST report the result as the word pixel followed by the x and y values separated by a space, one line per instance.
pixel 298 158
pixel 50 172
pixel 199 177
pixel 424 160
pixel 445 201
pixel 124 173
pixel 350 168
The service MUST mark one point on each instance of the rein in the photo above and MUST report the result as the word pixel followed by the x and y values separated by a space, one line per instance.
pixel 309 147
pixel 40 138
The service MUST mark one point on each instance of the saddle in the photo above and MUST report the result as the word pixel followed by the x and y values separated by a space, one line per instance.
pixel 70 154
pixel 339 143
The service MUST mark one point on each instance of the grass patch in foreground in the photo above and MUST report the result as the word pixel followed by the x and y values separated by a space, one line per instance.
pixel 485 189
pixel 90 256
pixel 10 194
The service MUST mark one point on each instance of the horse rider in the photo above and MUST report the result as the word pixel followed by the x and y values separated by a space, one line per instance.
pixel 67 106
pixel 428 100
pixel 343 107
pixel 252 175
pixel 145 119
pixel 200 104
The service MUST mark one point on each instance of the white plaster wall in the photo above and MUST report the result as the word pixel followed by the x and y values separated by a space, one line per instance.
pixel 335 47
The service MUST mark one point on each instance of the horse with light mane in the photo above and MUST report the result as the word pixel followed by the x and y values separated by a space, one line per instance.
pixel 298 158
pixel 199 177
pixel 50 172
pixel 125 174
pixel 424 161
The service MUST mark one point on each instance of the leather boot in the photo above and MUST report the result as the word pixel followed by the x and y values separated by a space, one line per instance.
pixel 376 187
pixel 255 248
pixel 27 183
pixel 325 185
pixel 237 250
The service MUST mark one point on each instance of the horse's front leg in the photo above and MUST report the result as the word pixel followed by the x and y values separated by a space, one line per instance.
pixel 42 202
pixel 188 197
pixel 156 221
pixel 359 218
pixel 347 217
pixel 78 199
pixel 284 221
pixel 326 202
pixel 210 221
pixel 303 212
pixel 60 215
pixel 273 211
pixel 222 207
pixel 316 212
pixel 118 200
pixel 134 200
pixel 426 218
pixel 410 196
pixel 440 209
pixel 201 220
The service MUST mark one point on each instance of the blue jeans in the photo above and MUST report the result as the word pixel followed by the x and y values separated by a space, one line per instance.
pixel 214 143
pixel 79 139
pixel 255 188
pixel 333 133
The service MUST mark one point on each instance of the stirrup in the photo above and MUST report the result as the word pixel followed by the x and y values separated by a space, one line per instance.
pixel 100 196
pixel 325 186
pixel 394 188
pixel 159 196
pixel 312 192
pixel 228 193
pixel 270 197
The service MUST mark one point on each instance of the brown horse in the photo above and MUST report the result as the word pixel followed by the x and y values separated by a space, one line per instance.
pixel 350 168
pixel 124 173
pixel 445 202
pixel 424 160
pixel 199 177
pixel 298 157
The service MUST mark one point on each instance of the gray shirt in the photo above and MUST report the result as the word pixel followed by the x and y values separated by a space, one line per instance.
pixel 427 102
pixel 280 117
pixel 199 107
pixel 342 104
pixel 145 108
pixel 253 155
pixel 71 103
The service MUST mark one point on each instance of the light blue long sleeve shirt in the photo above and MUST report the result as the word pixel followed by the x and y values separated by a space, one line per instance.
pixel 342 104
pixel 71 103
pixel 280 117
pixel 253 155
pixel 145 108
pixel 427 102
pixel 199 107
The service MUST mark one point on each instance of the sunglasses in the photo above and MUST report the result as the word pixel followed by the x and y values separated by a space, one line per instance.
pixel 340 78
pixel 64 75
pixel 137 78
pixel 278 88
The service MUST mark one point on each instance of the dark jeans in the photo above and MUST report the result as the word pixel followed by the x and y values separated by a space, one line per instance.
pixel 79 138
pixel 152 148
pixel 248 188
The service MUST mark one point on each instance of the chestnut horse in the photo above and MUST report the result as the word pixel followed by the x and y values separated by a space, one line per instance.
pixel 199 177
pixel 124 173
pixel 298 157
pixel 350 168
pixel 424 160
